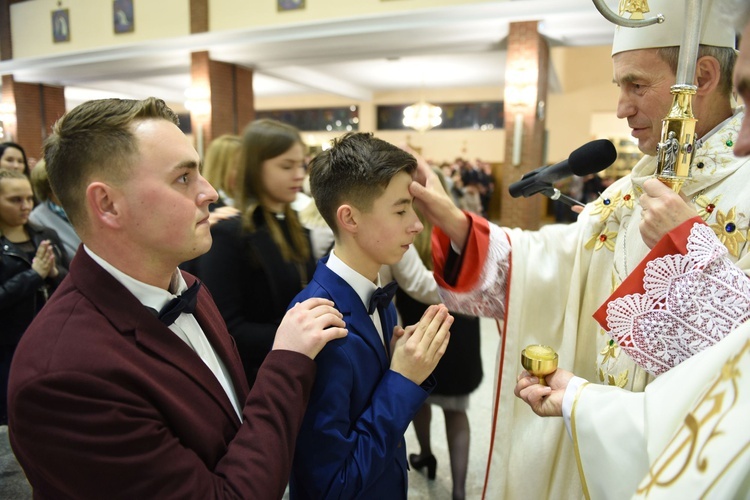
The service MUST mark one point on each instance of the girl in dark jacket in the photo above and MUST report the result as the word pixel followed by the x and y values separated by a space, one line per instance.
pixel 30 269
pixel 260 261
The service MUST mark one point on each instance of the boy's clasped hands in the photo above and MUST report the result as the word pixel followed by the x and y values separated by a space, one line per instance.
pixel 418 348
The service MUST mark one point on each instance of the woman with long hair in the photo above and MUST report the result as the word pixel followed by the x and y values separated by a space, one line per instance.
pixel 220 166
pixel 261 260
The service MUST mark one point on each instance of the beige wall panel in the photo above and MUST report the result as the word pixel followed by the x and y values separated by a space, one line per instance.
pixel 91 25
pixel 586 77
pixel 436 145
pixel 234 14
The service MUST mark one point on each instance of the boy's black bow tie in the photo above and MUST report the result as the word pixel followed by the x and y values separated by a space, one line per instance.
pixel 382 297
pixel 183 303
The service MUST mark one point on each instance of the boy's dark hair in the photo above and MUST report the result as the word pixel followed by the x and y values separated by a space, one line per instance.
pixel 355 170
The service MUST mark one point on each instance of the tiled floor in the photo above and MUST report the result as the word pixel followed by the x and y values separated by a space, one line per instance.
pixel 13 485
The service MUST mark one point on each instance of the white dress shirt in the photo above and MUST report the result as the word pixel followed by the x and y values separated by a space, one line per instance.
pixel 363 287
pixel 186 327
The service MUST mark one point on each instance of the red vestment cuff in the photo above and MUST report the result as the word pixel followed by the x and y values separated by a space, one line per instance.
pixel 473 255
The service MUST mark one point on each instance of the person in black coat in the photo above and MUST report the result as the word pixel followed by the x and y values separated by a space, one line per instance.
pixel 31 267
pixel 260 261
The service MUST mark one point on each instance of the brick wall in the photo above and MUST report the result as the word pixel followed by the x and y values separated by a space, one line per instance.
pixel 223 115
pixel 525 46
pixel 231 96
pixel 232 100
pixel 37 109
pixel 245 99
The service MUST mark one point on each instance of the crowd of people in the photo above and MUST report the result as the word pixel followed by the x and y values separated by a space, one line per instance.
pixel 172 332
pixel 471 184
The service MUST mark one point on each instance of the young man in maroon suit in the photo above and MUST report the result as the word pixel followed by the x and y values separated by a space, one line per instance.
pixel 124 386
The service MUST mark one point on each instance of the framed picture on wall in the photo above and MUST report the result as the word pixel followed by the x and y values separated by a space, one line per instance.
pixel 122 11
pixel 60 26
pixel 290 4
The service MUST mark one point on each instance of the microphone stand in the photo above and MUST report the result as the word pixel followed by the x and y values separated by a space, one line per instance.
pixel 554 194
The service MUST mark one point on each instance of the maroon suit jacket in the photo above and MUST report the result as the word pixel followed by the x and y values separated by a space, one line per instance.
pixel 107 402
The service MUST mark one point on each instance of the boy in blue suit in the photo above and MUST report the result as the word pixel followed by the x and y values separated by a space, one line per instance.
pixel 369 385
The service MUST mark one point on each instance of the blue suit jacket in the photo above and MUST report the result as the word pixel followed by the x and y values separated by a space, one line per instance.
pixel 351 444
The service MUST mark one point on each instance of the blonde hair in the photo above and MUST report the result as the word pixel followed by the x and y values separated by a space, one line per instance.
pixel 221 160
pixel 40 181
pixel 6 173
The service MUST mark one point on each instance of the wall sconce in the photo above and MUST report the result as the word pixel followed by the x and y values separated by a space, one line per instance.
pixel 520 96
pixel 517 139
pixel 521 85
pixel 198 102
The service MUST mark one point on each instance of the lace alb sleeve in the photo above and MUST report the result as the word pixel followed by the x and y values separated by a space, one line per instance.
pixel 690 302
pixel 487 298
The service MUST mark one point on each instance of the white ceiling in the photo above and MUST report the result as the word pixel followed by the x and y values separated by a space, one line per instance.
pixel 460 46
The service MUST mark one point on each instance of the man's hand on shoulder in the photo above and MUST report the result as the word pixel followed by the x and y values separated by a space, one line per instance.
pixel 308 326
pixel 417 351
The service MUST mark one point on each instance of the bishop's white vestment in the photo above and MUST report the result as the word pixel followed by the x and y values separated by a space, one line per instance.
pixel 545 285
pixel 685 316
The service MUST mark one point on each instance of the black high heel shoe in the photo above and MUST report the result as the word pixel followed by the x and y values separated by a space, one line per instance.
pixel 419 462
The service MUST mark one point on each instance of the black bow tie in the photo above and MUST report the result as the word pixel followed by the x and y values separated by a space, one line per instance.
pixel 382 297
pixel 183 303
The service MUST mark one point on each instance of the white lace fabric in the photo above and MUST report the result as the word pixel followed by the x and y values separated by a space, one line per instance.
pixel 487 299
pixel 690 302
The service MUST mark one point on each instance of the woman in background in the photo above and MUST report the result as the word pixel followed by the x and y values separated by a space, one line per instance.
pixel 220 170
pixel 260 261
pixel 30 269
pixel 220 167
pixel 13 157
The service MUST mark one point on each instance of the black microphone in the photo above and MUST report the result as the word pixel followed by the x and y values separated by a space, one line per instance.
pixel 590 158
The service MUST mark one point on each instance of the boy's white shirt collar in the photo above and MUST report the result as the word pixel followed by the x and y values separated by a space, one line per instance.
pixel 361 285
